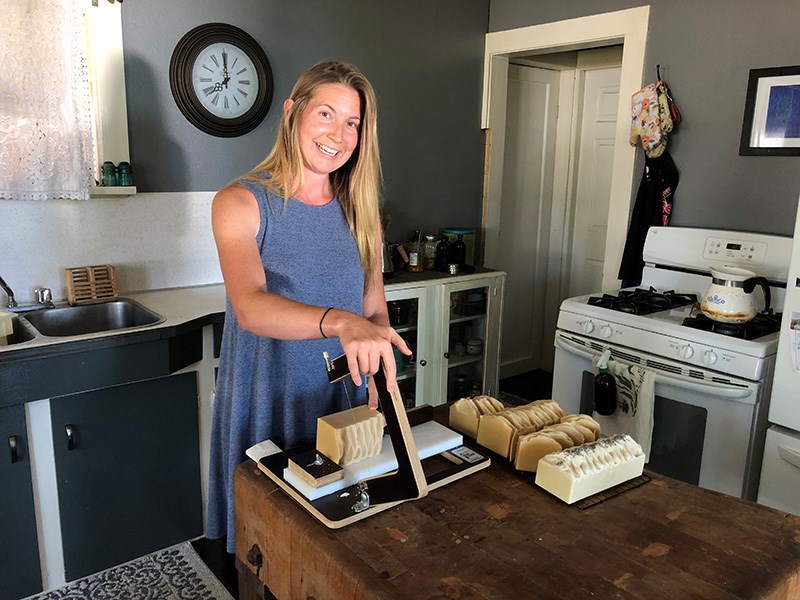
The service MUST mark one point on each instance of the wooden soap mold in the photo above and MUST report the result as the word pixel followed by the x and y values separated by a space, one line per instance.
pixel 86 285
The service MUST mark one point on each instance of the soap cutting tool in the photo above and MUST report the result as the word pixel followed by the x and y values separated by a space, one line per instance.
pixel 412 479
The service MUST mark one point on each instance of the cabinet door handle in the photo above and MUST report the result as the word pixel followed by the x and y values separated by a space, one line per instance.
pixel 72 441
pixel 423 362
pixel 12 446
pixel 447 355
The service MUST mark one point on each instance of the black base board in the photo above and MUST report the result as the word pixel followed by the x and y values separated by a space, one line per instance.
pixel 222 564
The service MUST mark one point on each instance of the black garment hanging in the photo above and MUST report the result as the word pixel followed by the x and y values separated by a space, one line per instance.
pixel 653 207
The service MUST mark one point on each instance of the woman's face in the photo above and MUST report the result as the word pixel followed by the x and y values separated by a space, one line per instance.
pixel 328 130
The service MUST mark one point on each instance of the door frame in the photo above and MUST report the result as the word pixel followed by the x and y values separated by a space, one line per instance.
pixel 627 27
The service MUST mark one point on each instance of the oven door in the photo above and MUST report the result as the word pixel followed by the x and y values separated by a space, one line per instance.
pixel 706 426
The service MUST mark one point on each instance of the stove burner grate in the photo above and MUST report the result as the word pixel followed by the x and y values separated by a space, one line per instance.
pixel 762 324
pixel 642 301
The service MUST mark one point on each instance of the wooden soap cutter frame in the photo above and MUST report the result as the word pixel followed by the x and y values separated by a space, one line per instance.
pixel 374 495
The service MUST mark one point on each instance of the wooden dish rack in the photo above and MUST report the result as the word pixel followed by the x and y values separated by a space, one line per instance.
pixel 86 285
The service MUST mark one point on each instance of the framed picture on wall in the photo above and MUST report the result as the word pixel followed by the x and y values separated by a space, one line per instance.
pixel 771 124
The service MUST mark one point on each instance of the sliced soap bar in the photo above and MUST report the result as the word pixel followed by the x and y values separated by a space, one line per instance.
pixel 466 413
pixel 351 435
pixel 577 473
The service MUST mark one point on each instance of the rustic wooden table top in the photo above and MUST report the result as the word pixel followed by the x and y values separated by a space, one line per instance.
pixel 494 534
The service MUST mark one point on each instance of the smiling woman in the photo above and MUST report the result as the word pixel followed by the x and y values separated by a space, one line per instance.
pixel 298 241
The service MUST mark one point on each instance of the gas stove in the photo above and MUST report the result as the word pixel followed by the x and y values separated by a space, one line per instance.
pixel 662 316
pixel 711 381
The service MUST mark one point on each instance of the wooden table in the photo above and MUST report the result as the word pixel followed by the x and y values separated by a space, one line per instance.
pixel 494 534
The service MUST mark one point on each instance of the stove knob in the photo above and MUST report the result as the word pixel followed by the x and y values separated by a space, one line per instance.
pixel 686 351
pixel 709 357
pixel 606 331
pixel 587 326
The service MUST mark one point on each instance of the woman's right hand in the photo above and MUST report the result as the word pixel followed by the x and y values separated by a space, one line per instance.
pixel 365 343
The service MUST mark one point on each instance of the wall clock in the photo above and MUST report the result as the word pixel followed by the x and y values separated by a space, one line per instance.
pixel 221 80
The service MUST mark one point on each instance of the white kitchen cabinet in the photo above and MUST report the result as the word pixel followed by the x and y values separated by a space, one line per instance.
pixel 438 315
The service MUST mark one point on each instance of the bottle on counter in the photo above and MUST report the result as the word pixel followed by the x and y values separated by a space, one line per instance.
pixel 416 257
pixel 442 255
pixel 605 387
pixel 459 251
pixel 430 252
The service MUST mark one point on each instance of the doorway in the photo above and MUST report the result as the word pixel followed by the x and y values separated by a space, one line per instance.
pixel 569 95
pixel 544 260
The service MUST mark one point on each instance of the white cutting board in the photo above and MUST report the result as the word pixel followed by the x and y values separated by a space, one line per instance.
pixel 430 438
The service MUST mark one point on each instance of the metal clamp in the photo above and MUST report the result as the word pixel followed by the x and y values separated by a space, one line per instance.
pixel 362 500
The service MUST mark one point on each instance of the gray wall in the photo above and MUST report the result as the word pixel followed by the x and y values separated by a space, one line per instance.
pixel 424 58
pixel 706 50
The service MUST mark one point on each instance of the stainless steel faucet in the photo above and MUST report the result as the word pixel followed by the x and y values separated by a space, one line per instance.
pixel 9 292
pixel 44 299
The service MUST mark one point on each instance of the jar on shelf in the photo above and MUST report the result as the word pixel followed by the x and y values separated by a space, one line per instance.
pixel 430 252
pixel 109 174
pixel 416 257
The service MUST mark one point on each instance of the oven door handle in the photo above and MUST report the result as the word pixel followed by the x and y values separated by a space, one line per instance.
pixel 718 389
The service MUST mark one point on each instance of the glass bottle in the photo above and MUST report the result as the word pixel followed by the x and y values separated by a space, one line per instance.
pixel 416 257
pixel 460 251
pixel 430 252
pixel 442 255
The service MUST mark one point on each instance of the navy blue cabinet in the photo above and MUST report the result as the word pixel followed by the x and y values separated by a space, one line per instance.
pixel 128 469
pixel 20 575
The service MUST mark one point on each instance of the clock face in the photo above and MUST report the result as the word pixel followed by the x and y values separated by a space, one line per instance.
pixel 221 80
pixel 225 80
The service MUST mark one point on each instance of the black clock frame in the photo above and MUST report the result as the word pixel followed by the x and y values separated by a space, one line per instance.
pixel 180 79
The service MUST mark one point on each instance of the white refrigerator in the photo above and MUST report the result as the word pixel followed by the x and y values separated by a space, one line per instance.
pixel 780 470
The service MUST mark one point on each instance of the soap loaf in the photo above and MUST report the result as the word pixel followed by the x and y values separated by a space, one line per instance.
pixel 466 412
pixel 351 435
pixel 532 445
pixel 577 473
pixel 499 431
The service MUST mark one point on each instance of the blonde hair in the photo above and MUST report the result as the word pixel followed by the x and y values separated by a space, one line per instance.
pixel 356 184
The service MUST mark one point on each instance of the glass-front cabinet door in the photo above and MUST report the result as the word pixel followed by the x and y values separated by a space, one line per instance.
pixel 409 315
pixel 471 339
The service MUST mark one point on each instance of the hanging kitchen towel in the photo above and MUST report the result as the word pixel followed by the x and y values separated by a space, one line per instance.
pixel 635 399
pixel 653 207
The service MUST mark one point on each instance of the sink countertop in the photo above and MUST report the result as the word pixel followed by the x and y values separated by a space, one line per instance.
pixel 178 306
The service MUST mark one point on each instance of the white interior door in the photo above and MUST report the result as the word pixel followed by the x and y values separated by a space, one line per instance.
pixel 521 247
pixel 592 187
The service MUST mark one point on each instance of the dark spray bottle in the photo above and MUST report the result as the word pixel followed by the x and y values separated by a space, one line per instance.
pixel 605 387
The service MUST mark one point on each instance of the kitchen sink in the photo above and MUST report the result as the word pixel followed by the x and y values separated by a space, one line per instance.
pixel 20 333
pixel 121 313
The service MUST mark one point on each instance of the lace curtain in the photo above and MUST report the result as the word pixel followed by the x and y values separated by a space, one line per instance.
pixel 46 149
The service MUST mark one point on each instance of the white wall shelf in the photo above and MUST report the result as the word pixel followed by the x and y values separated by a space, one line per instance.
pixel 116 191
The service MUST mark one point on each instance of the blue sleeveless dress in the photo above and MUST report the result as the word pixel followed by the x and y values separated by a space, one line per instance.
pixel 275 389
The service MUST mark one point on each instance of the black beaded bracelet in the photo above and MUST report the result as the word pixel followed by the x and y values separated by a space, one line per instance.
pixel 325 314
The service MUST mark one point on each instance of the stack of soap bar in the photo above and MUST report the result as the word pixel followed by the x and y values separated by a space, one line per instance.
pixel 498 432
pixel 532 444
pixel 467 412
pixel 577 473
pixel 351 435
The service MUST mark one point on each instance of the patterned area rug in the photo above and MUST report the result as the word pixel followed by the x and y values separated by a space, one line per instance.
pixel 176 573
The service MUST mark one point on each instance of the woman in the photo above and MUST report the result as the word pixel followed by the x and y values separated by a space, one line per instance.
pixel 299 241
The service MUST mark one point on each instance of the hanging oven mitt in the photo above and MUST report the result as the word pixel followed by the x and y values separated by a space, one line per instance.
pixel 646 121
pixel 664 112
